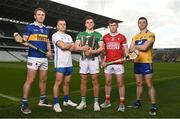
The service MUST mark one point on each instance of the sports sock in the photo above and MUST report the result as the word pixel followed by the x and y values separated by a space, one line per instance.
pixel 122 100
pixel 138 103
pixel 66 98
pixel 107 98
pixel 153 106
pixel 56 100
pixel 83 99
pixel 24 102
pixel 42 97
pixel 95 99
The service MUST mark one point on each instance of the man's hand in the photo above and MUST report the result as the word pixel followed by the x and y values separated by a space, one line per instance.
pixel 127 58
pixel 89 52
pixel 103 64
pixel 85 48
pixel 49 55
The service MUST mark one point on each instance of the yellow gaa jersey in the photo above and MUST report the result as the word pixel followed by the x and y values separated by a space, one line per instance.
pixel 140 39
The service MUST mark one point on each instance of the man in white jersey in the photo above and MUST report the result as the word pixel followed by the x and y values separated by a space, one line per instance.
pixel 63 45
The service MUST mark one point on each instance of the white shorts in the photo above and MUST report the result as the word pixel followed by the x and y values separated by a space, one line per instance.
pixel 37 63
pixel 89 66
pixel 114 69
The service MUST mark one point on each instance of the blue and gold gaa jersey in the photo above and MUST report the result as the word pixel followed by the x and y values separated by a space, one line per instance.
pixel 140 39
pixel 37 36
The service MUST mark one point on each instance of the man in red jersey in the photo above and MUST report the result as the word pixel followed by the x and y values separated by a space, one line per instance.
pixel 115 48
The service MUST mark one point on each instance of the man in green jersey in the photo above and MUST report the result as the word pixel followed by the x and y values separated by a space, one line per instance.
pixel 90 44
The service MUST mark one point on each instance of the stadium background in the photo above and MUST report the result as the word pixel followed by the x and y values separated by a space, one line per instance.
pixel 14 15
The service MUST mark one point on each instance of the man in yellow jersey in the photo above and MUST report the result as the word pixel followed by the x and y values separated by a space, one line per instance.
pixel 143 63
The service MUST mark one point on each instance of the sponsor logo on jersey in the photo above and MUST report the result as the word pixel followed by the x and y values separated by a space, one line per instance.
pixel 113 45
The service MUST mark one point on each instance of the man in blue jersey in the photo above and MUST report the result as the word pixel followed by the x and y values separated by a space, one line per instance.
pixel 38 35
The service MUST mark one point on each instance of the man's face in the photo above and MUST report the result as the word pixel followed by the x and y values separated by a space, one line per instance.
pixel 61 26
pixel 89 24
pixel 39 16
pixel 142 24
pixel 113 27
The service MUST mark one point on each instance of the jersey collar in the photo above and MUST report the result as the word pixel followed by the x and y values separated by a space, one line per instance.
pixel 36 24
pixel 113 34
pixel 89 32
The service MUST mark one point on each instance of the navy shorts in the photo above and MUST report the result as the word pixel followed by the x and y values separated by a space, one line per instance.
pixel 64 70
pixel 143 68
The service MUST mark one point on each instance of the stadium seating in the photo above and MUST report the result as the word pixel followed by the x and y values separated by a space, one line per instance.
pixel 12 51
pixel 7 57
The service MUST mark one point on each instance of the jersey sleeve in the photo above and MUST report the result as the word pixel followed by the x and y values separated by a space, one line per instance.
pixel 78 37
pixel 100 38
pixel 49 34
pixel 103 38
pixel 133 40
pixel 71 40
pixel 151 37
pixel 55 38
pixel 27 32
pixel 124 41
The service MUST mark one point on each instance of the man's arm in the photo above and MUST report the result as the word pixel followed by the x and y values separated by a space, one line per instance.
pixel 145 46
pixel 77 47
pixel 99 50
pixel 49 52
pixel 126 50
pixel 63 45
pixel 132 46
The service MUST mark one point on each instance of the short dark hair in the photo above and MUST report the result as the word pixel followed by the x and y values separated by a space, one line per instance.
pixel 61 19
pixel 143 18
pixel 89 17
pixel 112 21
pixel 39 9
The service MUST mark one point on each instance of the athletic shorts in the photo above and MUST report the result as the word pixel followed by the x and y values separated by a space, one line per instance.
pixel 143 68
pixel 64 70
pixel 37 63
pixel 89 66
pixel 114 69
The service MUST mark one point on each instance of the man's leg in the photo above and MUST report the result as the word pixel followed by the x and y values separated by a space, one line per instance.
pixel 42 87
pixel 42 83
pixel 83 88
pixel 31 74
pixel 83 85
pixel 151 89
pixel 59 79
pixel 66 87
pixel 67 101
pixel 108 87
pixel 139 89
pixel 95 83
pixel 121 87
pixel 152 93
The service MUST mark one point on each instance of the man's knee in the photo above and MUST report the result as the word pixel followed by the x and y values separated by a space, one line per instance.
pixel 150 86
pixel 66 82
pixel 29 81
pixel 108 83
pixel 139 84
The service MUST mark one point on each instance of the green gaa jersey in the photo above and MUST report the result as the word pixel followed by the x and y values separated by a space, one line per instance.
pixel 91 39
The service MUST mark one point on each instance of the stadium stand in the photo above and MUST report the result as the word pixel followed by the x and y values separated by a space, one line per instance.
pixel 5 56
pixel 20 13
pixel 15 14
pixel 167 55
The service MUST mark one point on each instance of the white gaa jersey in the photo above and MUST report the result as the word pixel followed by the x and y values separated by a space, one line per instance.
pixel 62 58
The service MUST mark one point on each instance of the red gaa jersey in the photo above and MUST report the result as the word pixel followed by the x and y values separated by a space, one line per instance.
pixel 114 46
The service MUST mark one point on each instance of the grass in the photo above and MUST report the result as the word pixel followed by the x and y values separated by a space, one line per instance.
pixel 166 81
